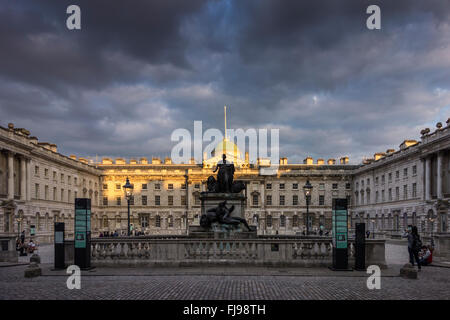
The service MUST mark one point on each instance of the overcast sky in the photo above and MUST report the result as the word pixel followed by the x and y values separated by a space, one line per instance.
pixel 137 70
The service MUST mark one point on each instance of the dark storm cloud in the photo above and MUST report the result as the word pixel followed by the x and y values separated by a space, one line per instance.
pixel 138 70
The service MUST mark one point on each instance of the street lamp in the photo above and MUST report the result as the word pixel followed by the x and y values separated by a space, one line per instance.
pixel 307 188
pixel 19 220
pixel 128 189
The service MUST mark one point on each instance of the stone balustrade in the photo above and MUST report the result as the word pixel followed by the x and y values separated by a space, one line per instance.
pixel 277 251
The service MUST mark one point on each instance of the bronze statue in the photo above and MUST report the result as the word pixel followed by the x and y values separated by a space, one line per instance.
pixel 222 215
pixel 225 176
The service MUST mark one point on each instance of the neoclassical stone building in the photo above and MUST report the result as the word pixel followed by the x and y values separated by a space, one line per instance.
pixel 38 186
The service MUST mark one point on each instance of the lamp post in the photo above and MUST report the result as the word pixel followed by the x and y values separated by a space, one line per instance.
pixel 307 188
pixel 19 220
pixel 128 189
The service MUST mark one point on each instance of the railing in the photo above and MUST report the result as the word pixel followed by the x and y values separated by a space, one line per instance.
pixel 310 252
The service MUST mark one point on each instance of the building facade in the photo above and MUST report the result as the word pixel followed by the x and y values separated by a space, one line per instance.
pixel 38 186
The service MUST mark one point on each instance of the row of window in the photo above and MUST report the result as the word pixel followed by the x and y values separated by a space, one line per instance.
pixel 282 186
pixel 282 200
pixel 383 180
pixel 390 195
pixel 54 197
pixel 144 186
pixel 144 200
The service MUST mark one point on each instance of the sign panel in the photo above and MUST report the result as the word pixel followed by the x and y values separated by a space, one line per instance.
pixel 340 234
pixel 82 226
pixel 32 230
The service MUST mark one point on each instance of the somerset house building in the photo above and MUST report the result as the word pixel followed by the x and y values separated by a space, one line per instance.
pixel 393 189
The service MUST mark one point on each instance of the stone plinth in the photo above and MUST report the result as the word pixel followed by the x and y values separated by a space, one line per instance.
pixel 211 200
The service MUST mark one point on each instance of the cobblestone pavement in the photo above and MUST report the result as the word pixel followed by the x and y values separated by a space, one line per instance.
pixel 308 283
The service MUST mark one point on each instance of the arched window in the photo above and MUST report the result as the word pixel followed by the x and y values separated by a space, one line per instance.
pixel 269 221
pixel 255 219
pixel 282 221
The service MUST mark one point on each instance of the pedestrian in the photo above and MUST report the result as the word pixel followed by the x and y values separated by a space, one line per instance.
pixel 425 256
pixel 414 245
pixel 22 237
pixel 368 234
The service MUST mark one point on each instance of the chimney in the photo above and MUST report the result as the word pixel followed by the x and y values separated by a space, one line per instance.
pixel 378 155
pixel 331 161
pixel 320 161
pixel 192 161
pixel 83 160
pixel 156 160
pixel 11 126
pixel 246 157
pixel 53 147
pixel 407 143
pixel 283 161
pixel 133 161
pixel 107 161
pixel 143 160
pixel 33 139
pixel 389 151
pixel 120 161
pixel 308 160
pixel 168 160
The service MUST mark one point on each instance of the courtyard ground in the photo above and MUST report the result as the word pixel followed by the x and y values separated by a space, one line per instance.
pixel 225 283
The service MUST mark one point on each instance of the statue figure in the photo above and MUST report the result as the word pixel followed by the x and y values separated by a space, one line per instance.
pixel 225 175
pixel 222 215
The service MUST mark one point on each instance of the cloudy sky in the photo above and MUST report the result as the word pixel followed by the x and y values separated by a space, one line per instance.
pixel 137 70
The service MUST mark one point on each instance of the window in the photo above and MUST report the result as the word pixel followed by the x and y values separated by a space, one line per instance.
pixel 295 200
pixel 75 180
pixel 157 186
pixel 282 221
pixel 54 175
pixel 62 195
pixel 397 193
pixel 69 179
pixel 183 186
pixel 69 196
pixel 269 186
pixel 281 186
pixel 368 181
pixel 335 186
pixel 118 201
pixel 255 199
pixel 183 200
pixel 46 172
pixel 46 192
pixel 382 196
pixel 322 186
pixel 117 186
pixel 405 172
pixel 144 220
pixel 105 186
pixel 197 186
pixel 282 200
pixel 390 194
pixel 196 200
pixel 158 221
pixel 295 186
pixel 269 221
pixel 405 192
pixel 397 174
pixel 321 200
pixel 269 200
pixel 105 201
pixel 54 194
pixel 144 200
pixel 170 200
pixel 347 186
pixel 157 200
pixel 414 170
pixel 144 186
pixel 36 171
pixel 390 176
pixel 36 191
pixel 62 177
pixel 170 221
pixel 414 190
pixel 295 221
pixel 376 180
pixel 170 186
pixel 132 201
pixel 376 196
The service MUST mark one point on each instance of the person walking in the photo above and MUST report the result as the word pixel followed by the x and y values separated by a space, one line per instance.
pixel 414 245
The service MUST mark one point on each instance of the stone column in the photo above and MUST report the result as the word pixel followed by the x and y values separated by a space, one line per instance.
pixel 23 180
pixel 10 175
pixel 439 176
pixel 427 178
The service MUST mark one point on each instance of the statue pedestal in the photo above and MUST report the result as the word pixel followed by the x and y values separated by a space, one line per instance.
pixel 212 199
pixel 223 231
